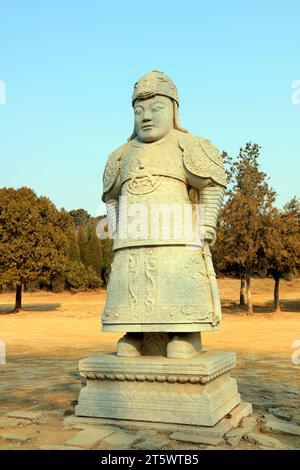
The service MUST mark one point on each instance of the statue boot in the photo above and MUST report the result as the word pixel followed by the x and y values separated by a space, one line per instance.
pixel 130 345
pixel 184 345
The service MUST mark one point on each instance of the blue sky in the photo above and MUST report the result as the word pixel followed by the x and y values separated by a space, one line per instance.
pixel 69 69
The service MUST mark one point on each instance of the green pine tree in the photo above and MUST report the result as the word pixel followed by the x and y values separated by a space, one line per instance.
pixel 33 239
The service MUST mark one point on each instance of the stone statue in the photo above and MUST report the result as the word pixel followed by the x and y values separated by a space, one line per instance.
pixel 163 190
pixel 162 282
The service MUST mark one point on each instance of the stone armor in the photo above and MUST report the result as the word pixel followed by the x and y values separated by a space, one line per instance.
pixel 162 280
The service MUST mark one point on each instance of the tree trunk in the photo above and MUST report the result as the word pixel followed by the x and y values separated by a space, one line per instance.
pixel 18 305
pixel 276 293
pixel 242 291
pixel 248 284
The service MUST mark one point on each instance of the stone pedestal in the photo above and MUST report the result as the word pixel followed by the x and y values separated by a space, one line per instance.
pixel 197 391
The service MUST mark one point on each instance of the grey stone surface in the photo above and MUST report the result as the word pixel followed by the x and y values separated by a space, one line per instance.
pixel 248 424
pixel 78 426
pixel 14 437
pixel 273 424
pixel 221 428
pixel 234 436
pixel 90 436
pixel 152 444
pixel 231 421
pixel 202 405
pixel 200 369
pixel 147 434
pixel 236 432
pixel 280 413
pixel 215 448
pixel 120 440
pixel 234 440
pixel 196 438
pixel 194 391
pixel 33 416
pixel 6 422
pixel 73 422
pixel 271 448
pixel 58 447
pixel 265 441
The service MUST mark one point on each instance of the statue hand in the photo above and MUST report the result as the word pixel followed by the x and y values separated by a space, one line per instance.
pixel 209 235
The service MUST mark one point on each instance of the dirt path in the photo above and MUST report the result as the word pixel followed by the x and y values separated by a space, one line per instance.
pixel 45 341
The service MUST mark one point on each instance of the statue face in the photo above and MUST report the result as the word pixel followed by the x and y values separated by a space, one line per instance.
pixel 153 118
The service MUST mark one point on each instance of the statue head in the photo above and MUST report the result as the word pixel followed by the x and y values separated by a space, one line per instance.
pixel 155 102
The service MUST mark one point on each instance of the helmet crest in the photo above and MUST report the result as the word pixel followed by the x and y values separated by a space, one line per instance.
pixel 155 83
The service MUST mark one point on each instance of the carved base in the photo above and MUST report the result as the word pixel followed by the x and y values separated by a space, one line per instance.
pixel 195 391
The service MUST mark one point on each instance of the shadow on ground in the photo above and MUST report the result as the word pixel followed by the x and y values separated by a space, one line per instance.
pixel 233 308
pixel 7 309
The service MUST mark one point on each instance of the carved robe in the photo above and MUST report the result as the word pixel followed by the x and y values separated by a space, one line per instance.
pixel 162 277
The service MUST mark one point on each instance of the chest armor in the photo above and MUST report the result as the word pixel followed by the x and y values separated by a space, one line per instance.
pixel 154 204
pixel 144 166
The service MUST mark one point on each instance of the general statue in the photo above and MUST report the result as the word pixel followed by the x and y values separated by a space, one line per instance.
pixel 163 189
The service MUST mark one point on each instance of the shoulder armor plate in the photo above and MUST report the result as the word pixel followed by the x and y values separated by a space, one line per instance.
pixel 202 158
pixel 112 169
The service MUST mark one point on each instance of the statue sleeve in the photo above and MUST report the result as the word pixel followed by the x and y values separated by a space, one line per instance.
pixel 111 189
pixel 205 172
pixel 112 210
pixel 211 197
pixel 111 175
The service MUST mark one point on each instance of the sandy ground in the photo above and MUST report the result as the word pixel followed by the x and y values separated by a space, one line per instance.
pixel 45 341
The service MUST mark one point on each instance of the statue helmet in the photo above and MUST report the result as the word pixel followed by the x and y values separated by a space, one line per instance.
pixel 157 83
